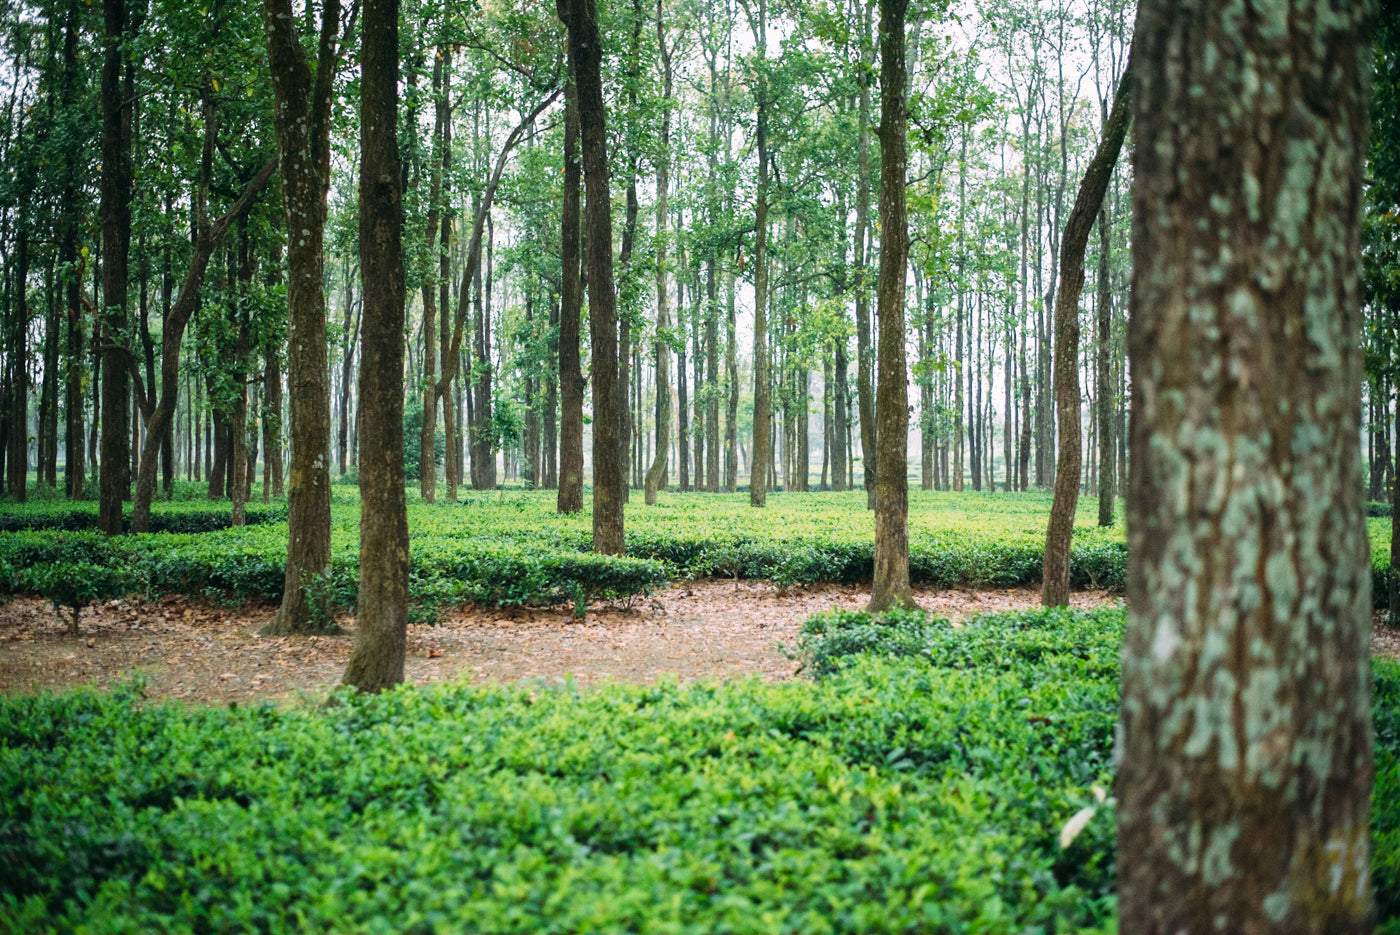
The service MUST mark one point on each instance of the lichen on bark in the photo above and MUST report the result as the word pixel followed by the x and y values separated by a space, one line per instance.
pixel 1245 773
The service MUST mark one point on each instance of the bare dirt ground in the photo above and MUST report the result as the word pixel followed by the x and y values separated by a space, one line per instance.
pixel 193 651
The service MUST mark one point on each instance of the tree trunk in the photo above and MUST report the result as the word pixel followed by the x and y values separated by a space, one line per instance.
pixel 682 394
pixel 891 585
pixel 1103 367
pixel 48 399
pixel 349 334
pixel 657 472
pixel 760 464
pixel 571 382
pixel 585 45
pixel 1059 536
pixel 550 442
pixel 114 484
pixel 1243 791
pixel 840 415
pixel 442 137
pixel 17 447
pixel 865 389
pixel 381 629
pixel 272 426
pixel 303 118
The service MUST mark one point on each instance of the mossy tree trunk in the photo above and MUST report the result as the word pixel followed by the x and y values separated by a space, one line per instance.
pixel 1243 793
pixel 1103 372
pixel 656 474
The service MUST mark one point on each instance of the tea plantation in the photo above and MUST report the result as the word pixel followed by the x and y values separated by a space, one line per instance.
pixel 924 782
pixel 510 547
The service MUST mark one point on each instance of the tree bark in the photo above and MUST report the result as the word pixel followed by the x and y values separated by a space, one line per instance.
pixel 1059 536
pixel 571 382
pixel 762 417
pixel 1243 791
pixel 427 441
pixel 865 382
pixel 207 238
pixel 17 447
pixel 381 630
pixel 302 116
pixel 585 44
pixel 114 477
pixel 74 472
pixel 657 472
pixel 1103 369
pixel 891 585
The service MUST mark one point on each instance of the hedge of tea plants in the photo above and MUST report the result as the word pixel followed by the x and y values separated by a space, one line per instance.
pixel 511 547
pixel 924 782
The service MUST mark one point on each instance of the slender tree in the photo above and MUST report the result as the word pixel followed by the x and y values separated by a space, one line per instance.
pixel 1243 793
pixel 571 381
pixel 586 48
pixel 302 116
pixel 657 472
pixel 1059 536
pixel 760 461
pixel 891 584
pixel 382 608
pixel 114 470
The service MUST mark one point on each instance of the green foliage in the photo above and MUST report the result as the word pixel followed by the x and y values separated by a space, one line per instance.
pixel 1079 652
pixel 926 792
pixel 413 439
pixel 183 516
pixel 887 799
pixel 511 548
pixel 920 785
pixel 1385 794
pixel 455 559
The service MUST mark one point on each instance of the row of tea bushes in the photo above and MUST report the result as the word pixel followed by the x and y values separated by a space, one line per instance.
pixel 888 797
pixel 511 547
pixel 166 516
pixel 924 783
pixel 508 548
pixel 249 563
pixel 1080 651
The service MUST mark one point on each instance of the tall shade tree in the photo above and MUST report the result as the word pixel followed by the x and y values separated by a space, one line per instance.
pixel 571 381
pixel 656 474
pixel 1246 769
pixel 302 116
pixel 382 607
pixel 1059 534
pixel 586 49
pixel 891 585
pixel 761 461
pixel 114 477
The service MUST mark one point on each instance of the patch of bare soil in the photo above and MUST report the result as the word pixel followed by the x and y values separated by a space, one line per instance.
pixel 193 651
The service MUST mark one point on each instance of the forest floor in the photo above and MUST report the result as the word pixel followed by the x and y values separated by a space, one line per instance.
pixel 194 651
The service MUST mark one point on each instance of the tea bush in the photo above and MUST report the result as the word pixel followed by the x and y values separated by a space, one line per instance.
pixel 510 547
pixel 921 784
pixel 887 798
pixel 1080 651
